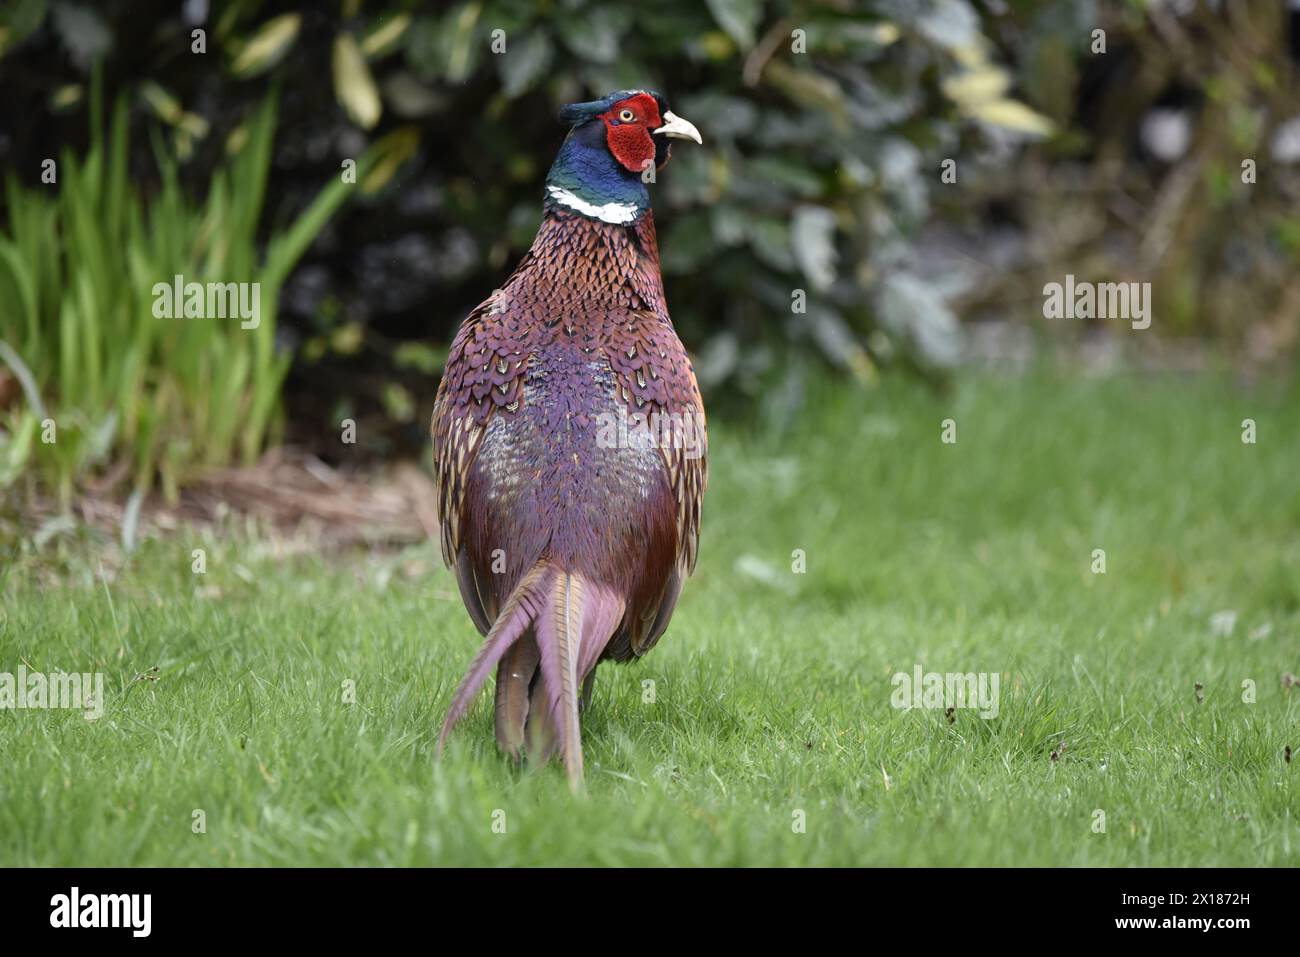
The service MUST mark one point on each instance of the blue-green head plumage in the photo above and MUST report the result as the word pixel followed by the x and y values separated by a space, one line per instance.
pixel 614 148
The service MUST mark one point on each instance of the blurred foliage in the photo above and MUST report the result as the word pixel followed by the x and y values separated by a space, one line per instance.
pixel 1177 163
pixel 814 229
pixel 155 396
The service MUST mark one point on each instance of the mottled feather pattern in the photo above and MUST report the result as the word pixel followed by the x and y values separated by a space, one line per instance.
pixel 569 547
pixel 488 360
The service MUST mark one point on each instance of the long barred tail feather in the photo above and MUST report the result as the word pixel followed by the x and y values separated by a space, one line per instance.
pixel 523 605
pixel 544 644
pixel 559 637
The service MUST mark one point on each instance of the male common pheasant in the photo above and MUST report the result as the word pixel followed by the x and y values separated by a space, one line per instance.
pixel 569 445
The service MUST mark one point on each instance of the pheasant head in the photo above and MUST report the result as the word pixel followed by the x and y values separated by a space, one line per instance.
pixel 613 150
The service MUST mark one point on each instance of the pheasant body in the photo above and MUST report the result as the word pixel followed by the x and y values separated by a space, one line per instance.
pixel 569 519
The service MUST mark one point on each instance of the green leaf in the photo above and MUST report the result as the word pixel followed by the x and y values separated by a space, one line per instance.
pixel 419 356
pixel 953 24
pixel 16 442
pixel 1013 116
pixel 812 233
pixel 739 18
pixel 390 153
pixel 977 85
pixel 353 85
pixel 383 37
pixel 18 20
pixel 524 63
pixel 462 47
pixel 398 403
pixel 595 36
pixel 810 90
pixel 914 311
pixel 268 46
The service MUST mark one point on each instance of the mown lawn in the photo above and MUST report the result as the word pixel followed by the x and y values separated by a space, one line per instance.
pixel 771 690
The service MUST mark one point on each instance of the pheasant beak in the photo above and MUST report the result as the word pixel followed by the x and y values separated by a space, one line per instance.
pixel 678 128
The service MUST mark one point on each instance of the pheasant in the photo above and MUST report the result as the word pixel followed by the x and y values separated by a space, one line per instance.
pixel 570 453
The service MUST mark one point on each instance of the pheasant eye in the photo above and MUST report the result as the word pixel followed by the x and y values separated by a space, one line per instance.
pixel 626 116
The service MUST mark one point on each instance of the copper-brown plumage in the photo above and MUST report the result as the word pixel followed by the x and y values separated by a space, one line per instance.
pixel 569 547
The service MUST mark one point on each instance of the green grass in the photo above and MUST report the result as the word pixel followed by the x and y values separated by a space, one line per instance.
pixel 772 689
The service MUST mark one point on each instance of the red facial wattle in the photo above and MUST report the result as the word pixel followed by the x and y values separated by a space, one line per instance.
pixel 630 140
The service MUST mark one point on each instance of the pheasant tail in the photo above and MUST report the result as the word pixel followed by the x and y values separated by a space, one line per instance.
pixel 544 644
pixel 516 616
